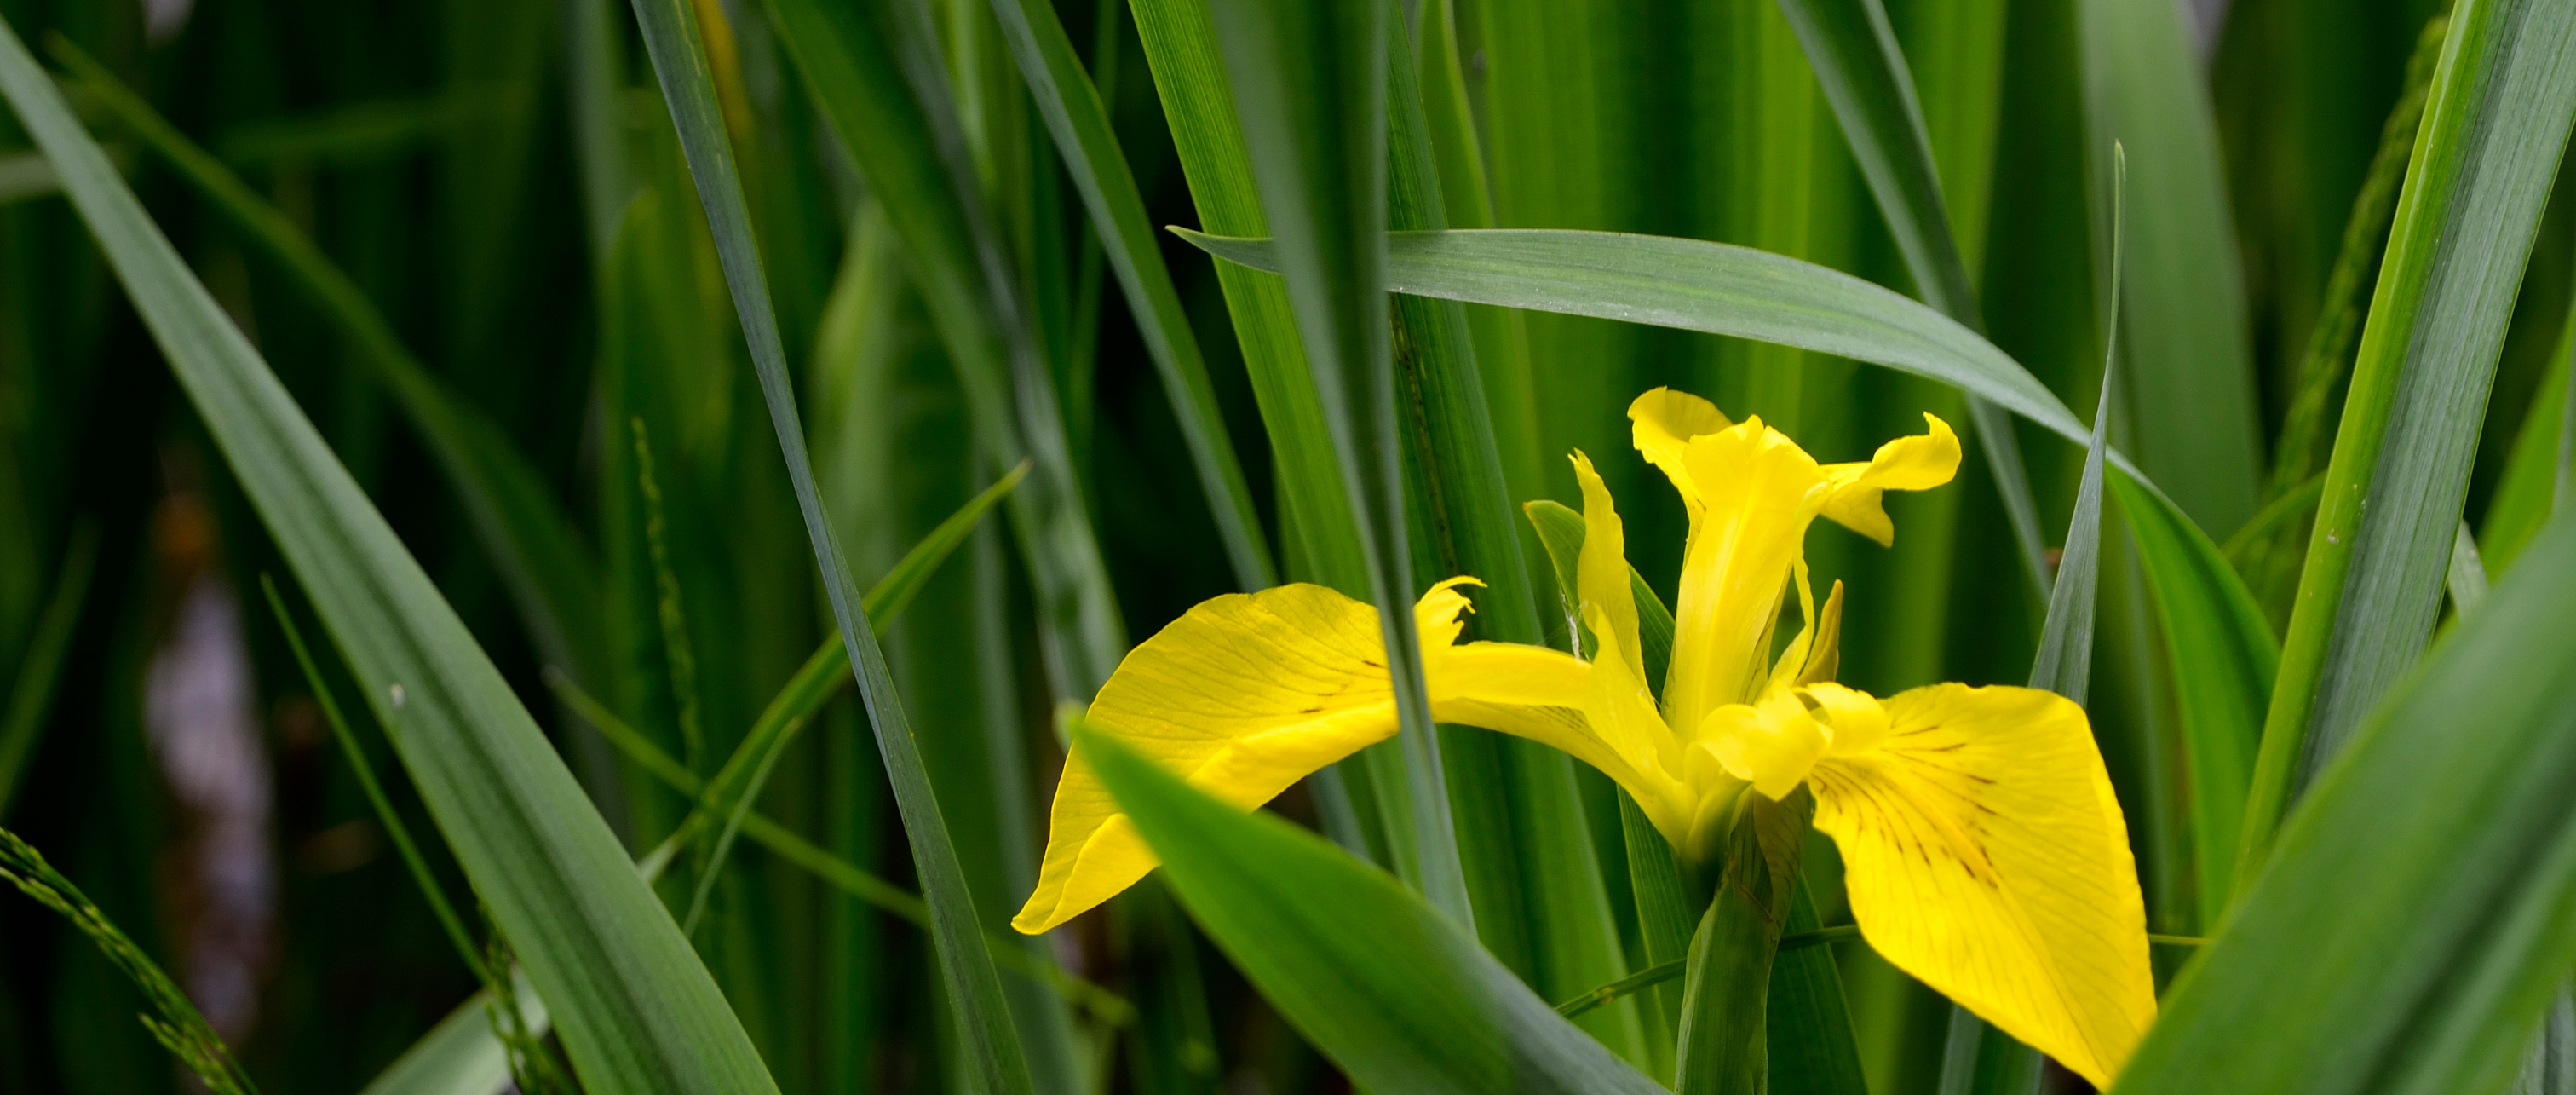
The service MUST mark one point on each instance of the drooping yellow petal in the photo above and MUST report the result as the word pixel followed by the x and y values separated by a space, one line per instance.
pixel 1921 462
pixel 1243 696
pixel 1661 424
pixel 1247 694
pixel 1547 696
pixel 1984 854
pixel 1759 492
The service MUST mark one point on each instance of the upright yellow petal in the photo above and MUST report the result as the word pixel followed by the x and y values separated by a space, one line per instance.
pixel 1601 571
pixel 1661 423
pixel 1760 492
pixel 1921 462
pixel 1985 855
pixel 1243 696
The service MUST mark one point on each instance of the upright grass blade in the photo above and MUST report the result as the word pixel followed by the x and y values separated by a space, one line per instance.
pixel 40 670
pixel 2191 395
pixel 1080 123
pixel 530 539
pixel 1394 991
pixel 2502 101
pixel 1310 88
pixel 991 1043
pixel 1853 51
pixel 2419 908
pixel 875 73
pixel 635 1009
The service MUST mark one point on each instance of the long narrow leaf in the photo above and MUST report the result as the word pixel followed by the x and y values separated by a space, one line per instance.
pixel 2223 657
pixel 1310 86
pixel 2502 102
pixel 635 1009
pixel 2419 909
pixel 1394 991
pixel 991 1042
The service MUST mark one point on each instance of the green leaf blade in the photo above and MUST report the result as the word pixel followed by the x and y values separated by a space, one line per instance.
pixel 2418 910
pixel 2503 99
pixel 1397 995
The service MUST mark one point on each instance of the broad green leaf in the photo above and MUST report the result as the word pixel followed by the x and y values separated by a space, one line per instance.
pixel 1080 123
pixel 529 538
pixel 635 1009
pixel 990 1041
pixel 2502 101
pixel 2191 393
pixel 1574 138
pixel 1393 991
pixel 1309 84
pixel 1501 334
pixel 2419 908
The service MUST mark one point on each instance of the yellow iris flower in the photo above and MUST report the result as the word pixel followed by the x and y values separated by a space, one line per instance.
pixel 1983 850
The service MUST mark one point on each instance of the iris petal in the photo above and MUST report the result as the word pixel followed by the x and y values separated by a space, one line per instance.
pixel 1985 855
pixel 1921 462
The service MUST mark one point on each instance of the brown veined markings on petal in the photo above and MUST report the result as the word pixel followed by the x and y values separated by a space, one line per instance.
pixel 1894 791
